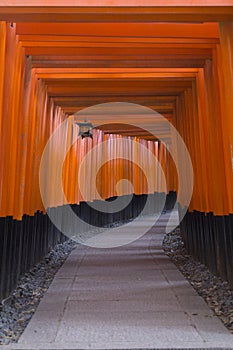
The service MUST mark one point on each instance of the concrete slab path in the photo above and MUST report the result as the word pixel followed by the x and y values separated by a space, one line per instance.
pixel 131 297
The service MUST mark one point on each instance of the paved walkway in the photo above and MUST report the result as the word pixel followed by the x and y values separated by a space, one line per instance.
pixel 123 298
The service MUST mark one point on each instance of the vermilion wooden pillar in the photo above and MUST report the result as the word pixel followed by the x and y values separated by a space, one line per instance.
pixel 226 95
pixel 2 74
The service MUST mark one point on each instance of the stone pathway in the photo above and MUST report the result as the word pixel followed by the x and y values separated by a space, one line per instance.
pixel 131 297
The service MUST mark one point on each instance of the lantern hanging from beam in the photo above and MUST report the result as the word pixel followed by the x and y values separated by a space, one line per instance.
pixel 85 129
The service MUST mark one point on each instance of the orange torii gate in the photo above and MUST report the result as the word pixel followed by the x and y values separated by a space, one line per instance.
pixel 175 57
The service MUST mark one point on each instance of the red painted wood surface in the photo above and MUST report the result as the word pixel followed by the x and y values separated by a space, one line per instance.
pixel 49 71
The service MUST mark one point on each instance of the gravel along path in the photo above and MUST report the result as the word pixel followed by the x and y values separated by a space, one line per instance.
pixel 216 292
pixel 17 310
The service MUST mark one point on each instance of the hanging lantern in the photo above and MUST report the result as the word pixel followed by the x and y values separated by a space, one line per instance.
pixel 85 129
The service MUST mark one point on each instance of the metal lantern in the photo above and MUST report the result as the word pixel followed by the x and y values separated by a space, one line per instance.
pixel 85 128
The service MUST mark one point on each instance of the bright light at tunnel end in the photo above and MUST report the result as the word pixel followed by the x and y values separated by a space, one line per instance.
pixel 51 178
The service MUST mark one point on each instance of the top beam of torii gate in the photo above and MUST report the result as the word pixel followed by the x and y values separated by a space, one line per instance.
pixel 116 10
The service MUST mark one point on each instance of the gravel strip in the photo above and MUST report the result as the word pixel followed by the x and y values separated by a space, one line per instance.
pixel 17 310
pixel 216 292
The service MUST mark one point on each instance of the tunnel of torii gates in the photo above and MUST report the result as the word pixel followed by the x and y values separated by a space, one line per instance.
pixel 56 60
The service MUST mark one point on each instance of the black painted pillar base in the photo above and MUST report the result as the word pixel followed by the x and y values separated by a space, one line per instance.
pixel 22 245
pixel 209 239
